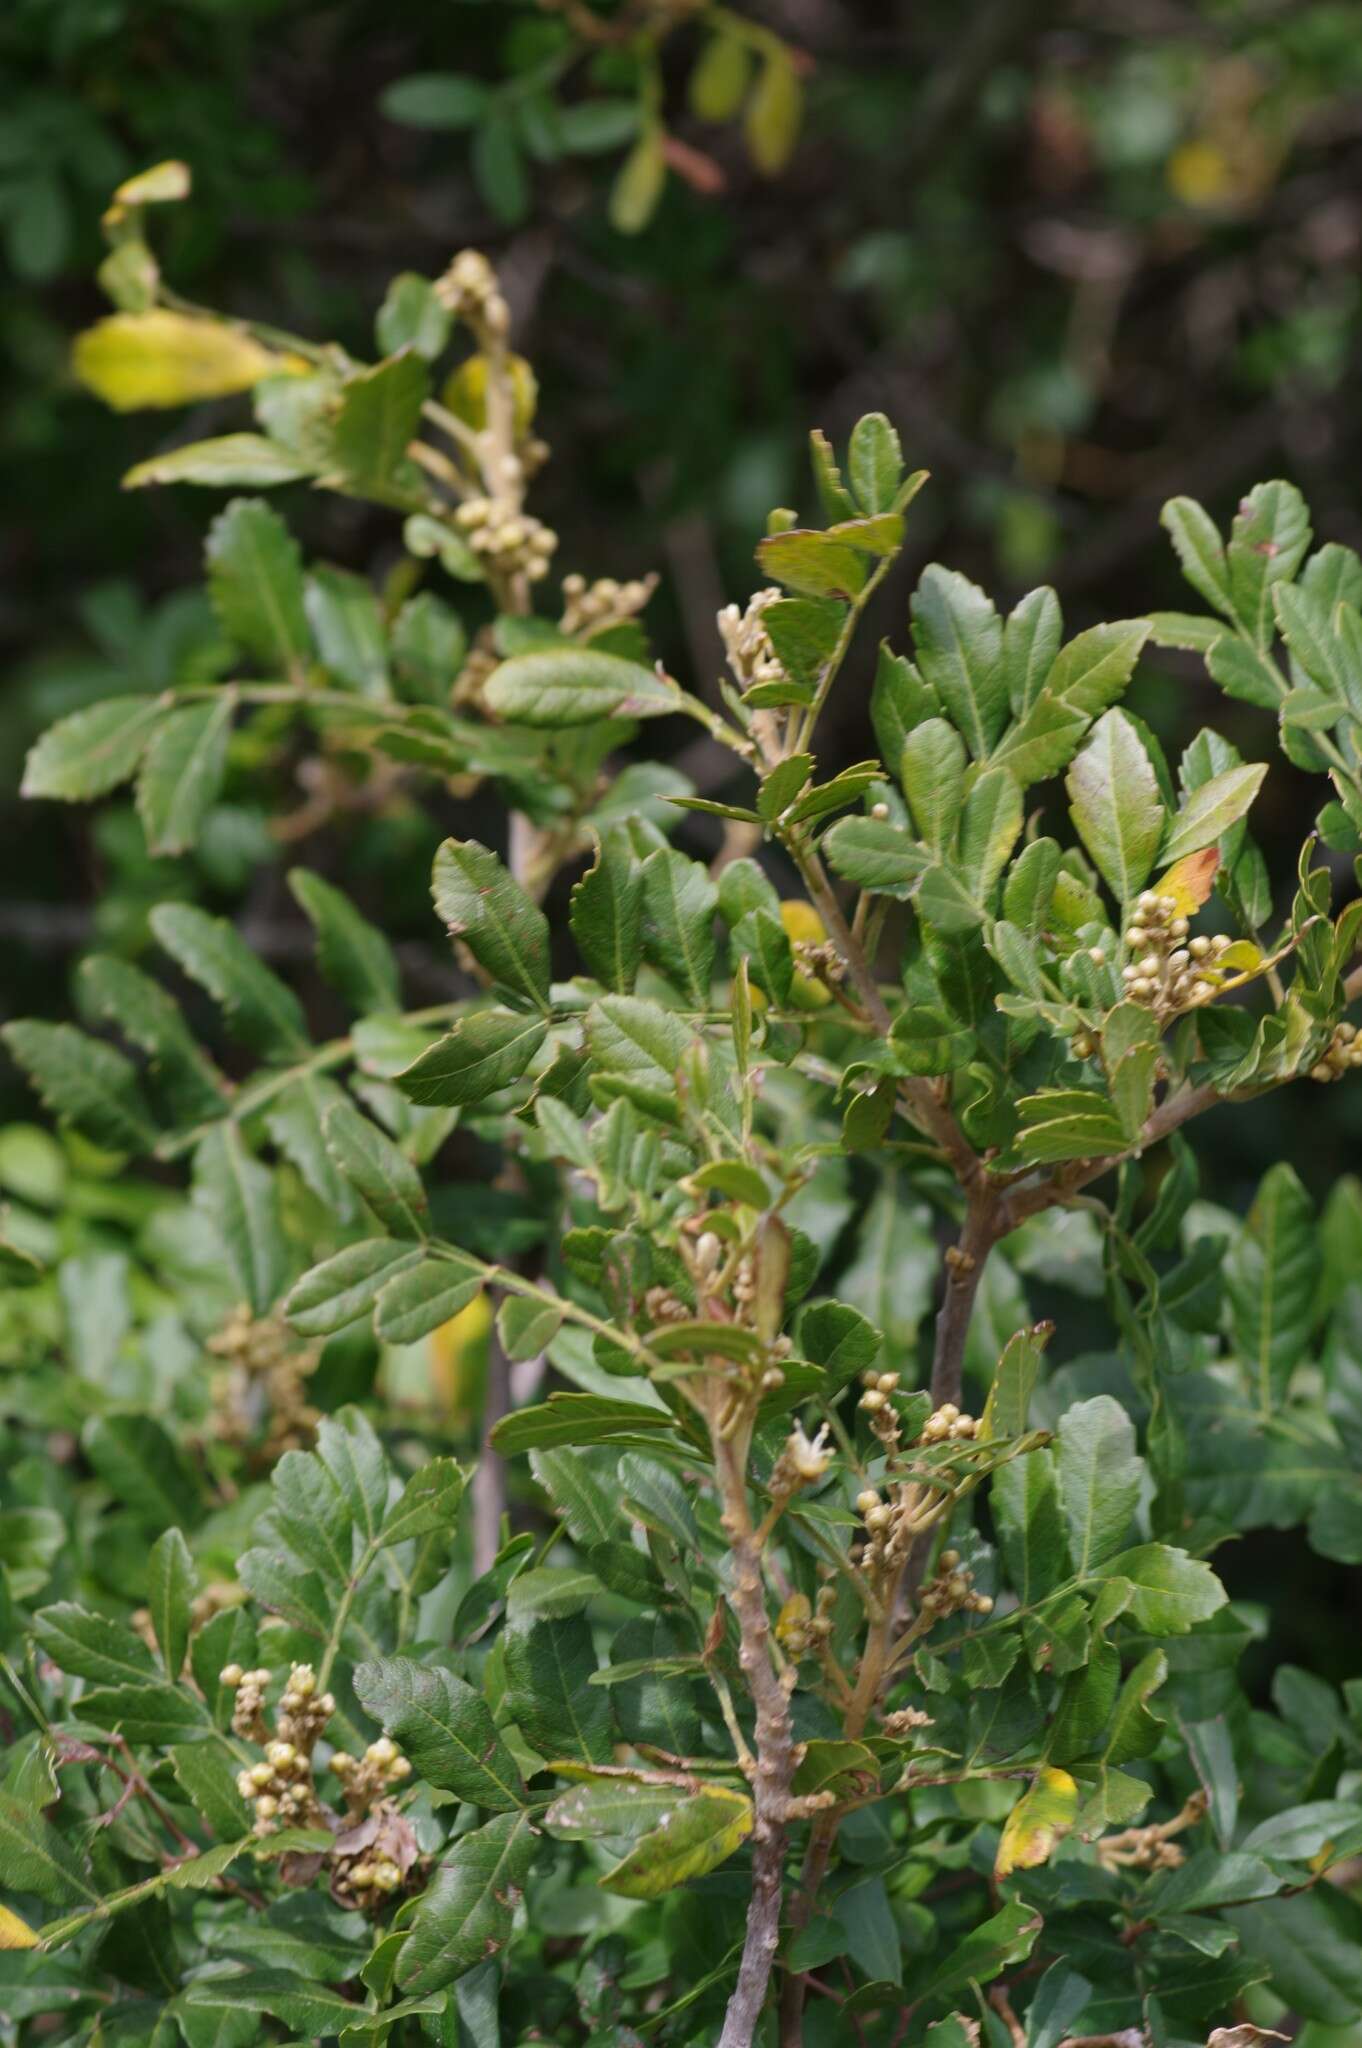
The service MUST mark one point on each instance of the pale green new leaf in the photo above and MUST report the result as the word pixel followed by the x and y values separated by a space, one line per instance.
pixel 1115 804
pixel 378 416
pixel 958 638
pixel 1210 810
pixel 92 751
pixel 564 686
pixel 481 904
pixel 679 906
pixel 255 579
pixel 1099 1474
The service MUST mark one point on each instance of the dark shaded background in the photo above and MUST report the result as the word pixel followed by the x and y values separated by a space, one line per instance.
pixel 1085 256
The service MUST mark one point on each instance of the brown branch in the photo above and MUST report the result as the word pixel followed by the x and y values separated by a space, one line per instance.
pixel 965 1264
pixel 775 1760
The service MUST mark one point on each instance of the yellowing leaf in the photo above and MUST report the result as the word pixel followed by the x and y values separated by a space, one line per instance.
pixel 1243 957
pixel 465 393
pixel 163 182
pixel 458 1356
pixel 160 358
pixel 1190 880
pixel 14 1932
pixel 1037 1823
pixel 700 1832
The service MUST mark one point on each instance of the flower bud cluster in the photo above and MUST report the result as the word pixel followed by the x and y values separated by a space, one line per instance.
pixel 506 539
pixel 470 291
pixel 905 1721
pixel 588 607
pixel 948 1425
pixel 952 1591
pixel 280 1788
pixel 1168 971
pixel 747 643
pixel 262 1384
pixel 878 1408
pixel 821 960
pixel 366 1778
pixel 1340 1055
pixel 1146 1848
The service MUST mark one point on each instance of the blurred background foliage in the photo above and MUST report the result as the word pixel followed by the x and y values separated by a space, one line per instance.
pixel 1085 255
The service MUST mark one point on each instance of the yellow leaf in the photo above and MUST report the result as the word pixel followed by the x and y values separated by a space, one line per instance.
pixel 1037 1823
pixel 163 182
pixel 774 112
pixel 160 358
pixel 793 1617
pixel 1199 173
pixel 1243 957
pixel 1190 880
pixel 458 1357
pixel 465 393
pixel 14 1932
pixel 803 925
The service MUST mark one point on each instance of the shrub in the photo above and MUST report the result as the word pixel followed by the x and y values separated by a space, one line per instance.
pixel 818 1683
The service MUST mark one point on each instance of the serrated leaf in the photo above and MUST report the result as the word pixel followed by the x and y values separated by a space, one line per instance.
pixel 607 912
pixel 481 904
pixel 39 1860
pixel 932 771
pixel 238 1196
pixel 343 1288
pixel 146 1468
pixel 116 992
pixel 171 1584
pixel 679 906
pixel 347 625
pixel 874 463
pixel 1200 551
pixel 958 639
pixel 92 1646
pixel 1210 810
pixel 255 580
pixel 876 854
pixel 444 1726
pixel 1171 1592
pixel 482 1053
pixel 1031 638
pixel 1115 804
pixel 353 954
pixel 428 1502
pixel 84 1082
pixel 260 1009
pixel 383 1175
pixel 376 420
pixel 1099 1478
pixel 1270 1280
pixel 92 751
pixel 566 686
pixel 425 1297
pixel 251 460
pixel 1093 670
pixel 466 1914
pixel 549 1692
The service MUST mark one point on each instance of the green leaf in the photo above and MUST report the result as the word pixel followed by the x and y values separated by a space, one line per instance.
pixel 700 1833
pixel 260 1009
pixel 774 111
pixel 874 463
pixel 576 1419
pixel 92 1646
pixel 345 1287
pixel 115 991
pixel 958 639
pixel 433 99
pixel 83 1082
pixel 812 562
pixel 376 420
pixel 1171 1591
pixel 145 1467
pixel 428 1502
pixel 480 903
pixel 604 1808
pixel 579 1495
pixel 932 772
pixel 679 906
pixel 1115 804
pixel 238 1196
pixel 172 1582
pixel 1270 1280
pixel 1200 551
pixel 1031 640
pixel 466 1915
pixel 255 580
pixel 639 182
pixel 607 912
pixel 445 1727
pixel 374 1166
pixel 482 1053
pixel 424 1297
pixel 37 1859
pixel 353 954
pixel 989 829
pixel 412 315
pixel 1093 670
pixel 428 647
pixel 92 751
pixel 1007 1410
pixel 1268 542
pixel 295 1120
pixel 876 854
pixel 1209 811
pixel 250 460
pixel 526 1325
pixel 1312 1944
pixel 1134 1731
pixel 565 686
pixel 1069 1123
pixel 639 1046
pixel 1099 1479
pixel 549 1692
pixel 1007 1937
pixel 348 627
